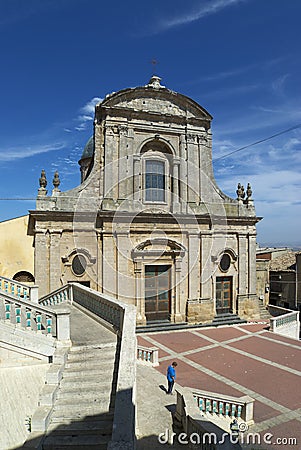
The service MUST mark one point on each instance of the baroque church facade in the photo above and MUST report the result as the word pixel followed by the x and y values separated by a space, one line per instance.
pixel 148 224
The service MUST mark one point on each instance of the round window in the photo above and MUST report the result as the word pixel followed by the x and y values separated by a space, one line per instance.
pixel 79 264
pixel 225 262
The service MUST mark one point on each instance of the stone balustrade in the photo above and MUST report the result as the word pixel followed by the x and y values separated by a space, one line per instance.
pixel 148 355
pixel 285 321
pixel 31 316
pixel 18 290
pixel 103 306
pixel 225 406
pixel 203 430
pixel 58 296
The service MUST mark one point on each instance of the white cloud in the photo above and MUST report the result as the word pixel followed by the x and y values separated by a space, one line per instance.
pixel 11 154
pixel 206 8
pixel 87 113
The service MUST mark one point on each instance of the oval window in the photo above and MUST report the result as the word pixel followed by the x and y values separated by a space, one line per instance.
pixel 225 262
pixel 79 264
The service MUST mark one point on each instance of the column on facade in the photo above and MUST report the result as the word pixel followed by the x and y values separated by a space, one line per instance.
pixel 179 307
pixel 122 163
pixel 176 180
pixel 183 173
pixel 99 256
pixel 109 269
pixel 243 268
pixel 194 266
pixel 252 264
pixel 193 169
pixel 111 163
pixel 139 293
pixel 41 262
pixel 137 162
pixel 55 259
pixel 125 272
pixel 207 268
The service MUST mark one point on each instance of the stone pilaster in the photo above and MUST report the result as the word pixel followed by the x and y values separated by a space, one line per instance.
pixel 41 262
pixel 55 259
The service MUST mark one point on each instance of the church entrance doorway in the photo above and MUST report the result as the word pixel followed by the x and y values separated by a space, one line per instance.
pixel 157 292
pixel 223 295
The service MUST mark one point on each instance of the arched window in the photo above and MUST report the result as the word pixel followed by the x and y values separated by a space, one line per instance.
pixel 154 180
pixel 24 277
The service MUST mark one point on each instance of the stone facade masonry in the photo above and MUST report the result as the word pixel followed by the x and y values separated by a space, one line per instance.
pixel 119 226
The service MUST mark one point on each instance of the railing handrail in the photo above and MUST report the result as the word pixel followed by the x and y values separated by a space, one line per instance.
pixel 10 280
pixel 28 303
pixel 65 287
pixel 225 398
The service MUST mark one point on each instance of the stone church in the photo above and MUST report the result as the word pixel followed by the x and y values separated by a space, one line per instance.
pixel 148 224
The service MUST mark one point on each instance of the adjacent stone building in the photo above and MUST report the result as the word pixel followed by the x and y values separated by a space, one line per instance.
pixel 148 223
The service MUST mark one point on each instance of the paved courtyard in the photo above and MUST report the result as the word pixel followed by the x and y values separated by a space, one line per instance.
pixel 240 360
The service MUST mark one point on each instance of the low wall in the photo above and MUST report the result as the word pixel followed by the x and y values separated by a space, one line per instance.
pixel 19 393
pixel 284 322
pixel 122 318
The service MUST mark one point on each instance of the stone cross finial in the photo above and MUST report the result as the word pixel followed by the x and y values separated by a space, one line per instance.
pixel 43 180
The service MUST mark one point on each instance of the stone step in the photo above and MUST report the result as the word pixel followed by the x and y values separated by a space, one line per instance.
pixel 83 371
pixel 85 403
pixel 90 363
pixel 161 326
pixel 78 442
pixel 227 319
pixel 72 386
pixel 102 355
pixel 78 412
pixel 66 422
pixel 92 426
pixel 83 394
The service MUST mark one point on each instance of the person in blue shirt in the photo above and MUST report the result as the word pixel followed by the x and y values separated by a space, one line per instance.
pixel 171 376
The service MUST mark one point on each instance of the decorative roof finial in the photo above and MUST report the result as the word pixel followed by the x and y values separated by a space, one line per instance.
pixel 154 82
pixel 43 179
pixel 56 182
pixel 249 191
pixel 240 192
pixel 43 183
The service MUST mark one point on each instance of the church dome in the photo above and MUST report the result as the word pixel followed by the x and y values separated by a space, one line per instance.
pixel 88 149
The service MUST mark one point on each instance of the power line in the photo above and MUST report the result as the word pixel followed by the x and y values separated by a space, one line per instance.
pixel 258 142
pixel 215 159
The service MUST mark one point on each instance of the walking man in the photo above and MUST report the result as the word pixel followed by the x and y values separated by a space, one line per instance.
pixel 171 376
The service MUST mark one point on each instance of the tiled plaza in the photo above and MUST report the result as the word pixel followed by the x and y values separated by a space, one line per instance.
pixel 240 360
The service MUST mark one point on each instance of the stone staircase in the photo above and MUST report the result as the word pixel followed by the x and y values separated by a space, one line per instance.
pixel 227 319
pixel 82 416
pixel 264 313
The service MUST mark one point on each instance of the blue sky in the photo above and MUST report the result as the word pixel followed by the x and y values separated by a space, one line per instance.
pixel 240 59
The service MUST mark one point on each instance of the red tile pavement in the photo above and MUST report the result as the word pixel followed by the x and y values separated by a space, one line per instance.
pixel 190 377
pixel 277 337
pixel 222 334
pixel 284 431
pixel 253 328
pixel 262 411
pixel 262 378
pixel 180 341
pixel 148 344
pixel 273 351
pixel 278 385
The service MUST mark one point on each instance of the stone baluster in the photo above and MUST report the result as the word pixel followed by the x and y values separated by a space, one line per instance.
pixel 18 314
pixel 214 406
pixel 221 408
pixel 39 321
pixel 233 410
pixel 7 311
pixel 28 318
pixel 227 412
